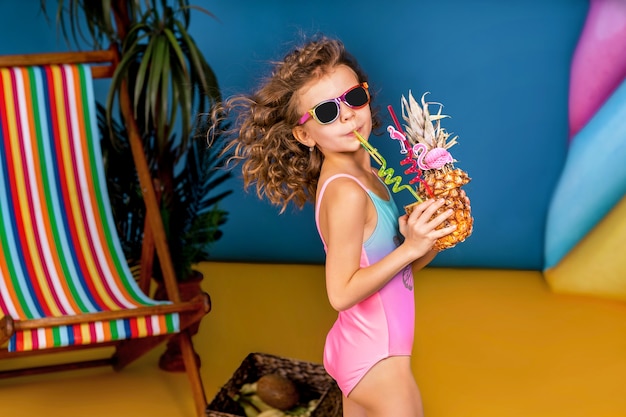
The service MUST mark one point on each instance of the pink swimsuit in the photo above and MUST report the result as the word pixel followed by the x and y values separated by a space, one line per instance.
pixel 383 324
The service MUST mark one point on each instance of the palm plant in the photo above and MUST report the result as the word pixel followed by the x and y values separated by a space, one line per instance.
pixel 169 81
pixel 191 214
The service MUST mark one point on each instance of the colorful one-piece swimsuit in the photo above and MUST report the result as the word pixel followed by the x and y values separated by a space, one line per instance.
pixel 383 324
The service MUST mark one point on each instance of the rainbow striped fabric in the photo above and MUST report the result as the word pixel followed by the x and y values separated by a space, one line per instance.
pixel 59 250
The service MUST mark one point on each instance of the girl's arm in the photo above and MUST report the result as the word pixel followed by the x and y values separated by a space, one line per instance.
pixel 347 216
pixel 424 260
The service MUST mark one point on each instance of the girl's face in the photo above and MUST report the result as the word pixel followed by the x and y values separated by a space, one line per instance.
pixel 337 136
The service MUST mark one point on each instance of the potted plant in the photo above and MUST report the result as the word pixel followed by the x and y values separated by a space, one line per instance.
pixel 191 213
pixel 172 90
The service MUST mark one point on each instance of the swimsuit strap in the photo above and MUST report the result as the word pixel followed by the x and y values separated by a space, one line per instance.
pixel 323 189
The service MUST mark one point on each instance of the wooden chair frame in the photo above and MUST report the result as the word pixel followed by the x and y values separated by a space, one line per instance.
pixel 103 65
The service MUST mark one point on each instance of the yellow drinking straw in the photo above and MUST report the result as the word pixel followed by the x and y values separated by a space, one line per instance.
pixel 386 173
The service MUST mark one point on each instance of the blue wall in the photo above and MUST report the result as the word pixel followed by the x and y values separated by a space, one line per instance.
pixel 500 68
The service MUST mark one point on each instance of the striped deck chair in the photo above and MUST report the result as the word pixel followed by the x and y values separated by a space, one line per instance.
pixel 64 281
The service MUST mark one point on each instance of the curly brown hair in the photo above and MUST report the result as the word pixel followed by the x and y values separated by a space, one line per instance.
pixel 283 169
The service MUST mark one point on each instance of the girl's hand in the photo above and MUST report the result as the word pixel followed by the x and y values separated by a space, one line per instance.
pixel 418 229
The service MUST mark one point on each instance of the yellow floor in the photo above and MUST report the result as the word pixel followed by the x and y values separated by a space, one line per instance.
pixel 489 343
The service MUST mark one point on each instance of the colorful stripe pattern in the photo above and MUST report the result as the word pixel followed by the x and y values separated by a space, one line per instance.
pixel 59 250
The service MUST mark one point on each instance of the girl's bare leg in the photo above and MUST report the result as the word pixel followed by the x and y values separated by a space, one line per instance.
pixel 352 409
pixel 388 389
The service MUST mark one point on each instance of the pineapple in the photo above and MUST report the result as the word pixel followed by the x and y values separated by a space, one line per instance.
pixel 430 144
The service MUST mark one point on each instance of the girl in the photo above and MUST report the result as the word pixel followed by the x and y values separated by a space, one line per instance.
pixel 296 140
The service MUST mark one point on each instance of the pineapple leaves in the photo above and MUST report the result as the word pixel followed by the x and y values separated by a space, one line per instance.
pixel 419 123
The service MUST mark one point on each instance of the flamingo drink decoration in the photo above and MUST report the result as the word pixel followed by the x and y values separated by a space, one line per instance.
pixel 426 145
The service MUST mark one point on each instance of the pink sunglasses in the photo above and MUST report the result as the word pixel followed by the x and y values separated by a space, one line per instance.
pixel 328 110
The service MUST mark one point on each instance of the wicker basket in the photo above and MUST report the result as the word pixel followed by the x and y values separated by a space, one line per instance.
pixel 310 378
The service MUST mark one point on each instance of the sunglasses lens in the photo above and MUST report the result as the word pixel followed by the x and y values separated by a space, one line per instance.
pixel 327 112
pixel 357 97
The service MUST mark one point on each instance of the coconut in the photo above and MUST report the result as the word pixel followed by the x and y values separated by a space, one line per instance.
pixel 277 391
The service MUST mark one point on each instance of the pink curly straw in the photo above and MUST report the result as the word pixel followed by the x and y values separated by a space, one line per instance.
pixel 409 158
